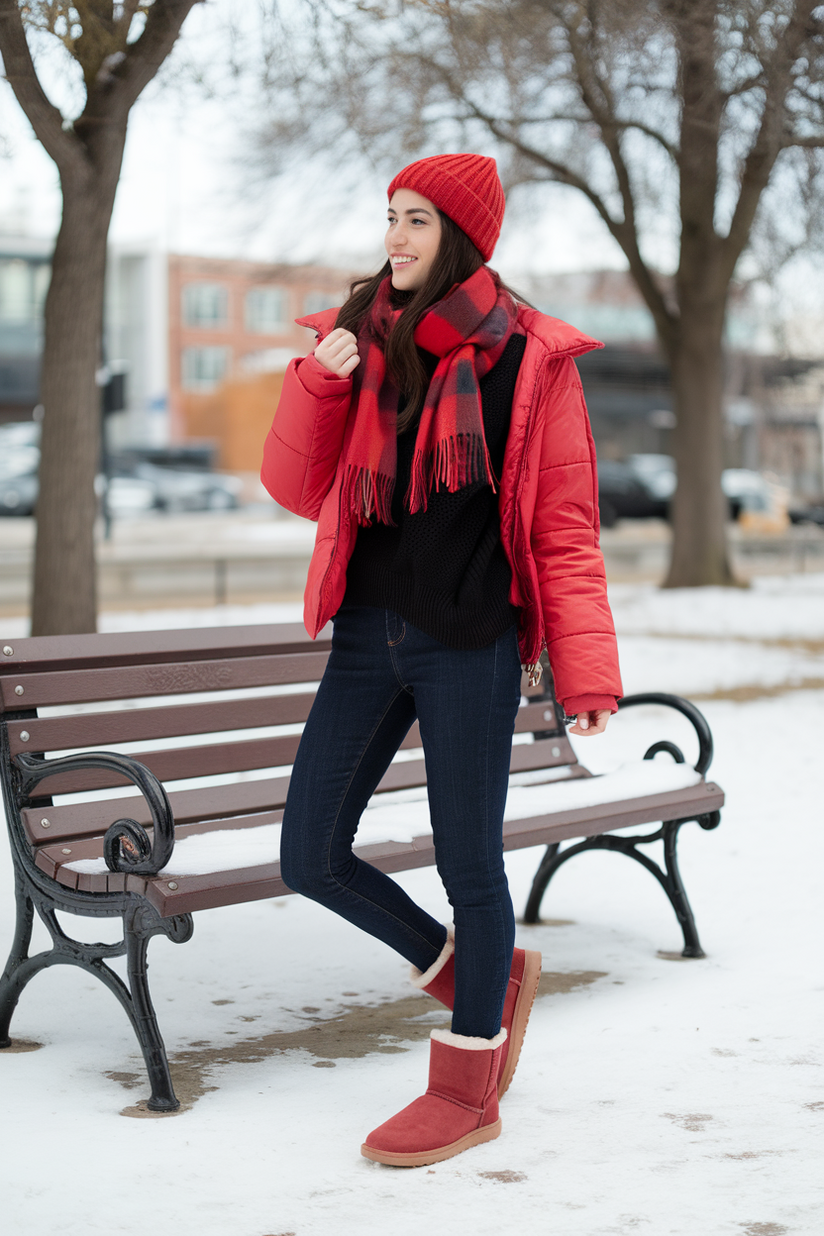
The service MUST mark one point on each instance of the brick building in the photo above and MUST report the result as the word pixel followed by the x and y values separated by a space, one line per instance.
pixel 231 334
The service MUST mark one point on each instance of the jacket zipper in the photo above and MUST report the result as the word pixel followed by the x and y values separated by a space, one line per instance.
pixel 534 669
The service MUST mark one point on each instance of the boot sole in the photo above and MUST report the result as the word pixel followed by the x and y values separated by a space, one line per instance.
pixel 422 1158
pixel 523 1007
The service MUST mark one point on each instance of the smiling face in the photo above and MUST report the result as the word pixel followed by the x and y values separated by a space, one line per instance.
pixel 412 238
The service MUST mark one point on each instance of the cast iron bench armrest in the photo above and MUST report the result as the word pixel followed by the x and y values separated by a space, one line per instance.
pixel 692 714
pixel 126 846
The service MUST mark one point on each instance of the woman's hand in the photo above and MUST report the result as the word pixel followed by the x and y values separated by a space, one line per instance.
pixel 338 352
pixel 593 722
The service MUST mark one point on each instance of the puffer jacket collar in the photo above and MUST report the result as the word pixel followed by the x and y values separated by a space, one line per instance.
pixel 321 323
pixel 559 338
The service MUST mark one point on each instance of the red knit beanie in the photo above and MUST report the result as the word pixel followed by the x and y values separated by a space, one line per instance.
pixel 465 187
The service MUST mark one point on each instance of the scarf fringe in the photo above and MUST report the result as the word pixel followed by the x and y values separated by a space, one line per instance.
pixel 369 494
pixel 455 462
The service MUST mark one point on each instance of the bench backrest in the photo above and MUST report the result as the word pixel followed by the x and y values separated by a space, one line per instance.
pixel 215 713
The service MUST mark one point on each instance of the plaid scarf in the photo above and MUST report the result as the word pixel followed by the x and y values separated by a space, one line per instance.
pixel 468 330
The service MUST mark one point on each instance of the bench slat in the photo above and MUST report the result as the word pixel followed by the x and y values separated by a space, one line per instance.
pixel 49 653
pixel 253 883
pixel 175 678
pixel 70 821
pixel 178 763
pixel 106 729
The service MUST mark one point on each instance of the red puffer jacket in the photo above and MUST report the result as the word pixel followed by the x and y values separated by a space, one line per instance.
pixel 548 503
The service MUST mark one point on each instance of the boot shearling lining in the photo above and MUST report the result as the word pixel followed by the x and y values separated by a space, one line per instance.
pixel 423 980
pixel 468 1042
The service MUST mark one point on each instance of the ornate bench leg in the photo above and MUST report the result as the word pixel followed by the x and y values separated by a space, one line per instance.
pixel 140 925
pixel 669 877
pixel 543 875
pixel 17 973
pixel 674 888
pixel 146 1028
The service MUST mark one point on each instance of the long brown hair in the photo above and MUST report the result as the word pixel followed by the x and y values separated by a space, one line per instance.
pixel 457 258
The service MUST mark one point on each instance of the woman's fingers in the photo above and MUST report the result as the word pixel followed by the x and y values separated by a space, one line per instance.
pixel 593 722
pixel 338 352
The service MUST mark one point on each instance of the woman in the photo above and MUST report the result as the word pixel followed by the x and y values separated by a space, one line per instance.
pixel 439 437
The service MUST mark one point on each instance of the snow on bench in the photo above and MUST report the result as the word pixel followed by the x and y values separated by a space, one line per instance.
pixel 403 815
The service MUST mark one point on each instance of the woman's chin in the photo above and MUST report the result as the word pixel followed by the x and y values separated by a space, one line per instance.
pixel 404 281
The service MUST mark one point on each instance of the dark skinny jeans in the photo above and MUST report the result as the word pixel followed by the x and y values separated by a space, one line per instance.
pixel 382 674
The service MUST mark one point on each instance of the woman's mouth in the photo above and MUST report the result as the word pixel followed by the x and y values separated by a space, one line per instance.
pixel 402 259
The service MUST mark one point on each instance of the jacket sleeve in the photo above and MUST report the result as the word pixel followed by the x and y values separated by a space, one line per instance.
pixel 301 452
pixel 580 636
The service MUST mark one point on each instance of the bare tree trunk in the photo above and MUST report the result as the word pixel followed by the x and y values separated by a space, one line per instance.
pixel 65 594
pixel 699 508
pixel 699 549
pixel 88 152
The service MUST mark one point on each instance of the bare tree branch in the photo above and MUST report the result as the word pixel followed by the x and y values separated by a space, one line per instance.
pixel 522 122
pixel 46 120
pixel 145 56
pixel 598 98
pixel 770 137
pixel 622 231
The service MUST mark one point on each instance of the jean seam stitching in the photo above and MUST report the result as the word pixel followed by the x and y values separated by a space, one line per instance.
pixel 501 924
pixel 392 645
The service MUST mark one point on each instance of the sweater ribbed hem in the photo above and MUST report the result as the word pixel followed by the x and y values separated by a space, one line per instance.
pixel 434 613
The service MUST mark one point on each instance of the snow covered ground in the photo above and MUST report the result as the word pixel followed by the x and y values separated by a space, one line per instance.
pixel 688 1101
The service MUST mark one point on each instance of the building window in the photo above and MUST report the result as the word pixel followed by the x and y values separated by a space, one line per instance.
pixel 203 368
pixel 316 302
pixel 205 305
pixel 266 311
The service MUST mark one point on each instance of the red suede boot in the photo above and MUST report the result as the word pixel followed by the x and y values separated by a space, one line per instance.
pixel 459 1109
pixel 439 981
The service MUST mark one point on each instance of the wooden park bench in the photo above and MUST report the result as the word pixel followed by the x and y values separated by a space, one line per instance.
pixel 215 716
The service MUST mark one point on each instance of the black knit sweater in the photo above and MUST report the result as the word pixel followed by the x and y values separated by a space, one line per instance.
pixel 444 569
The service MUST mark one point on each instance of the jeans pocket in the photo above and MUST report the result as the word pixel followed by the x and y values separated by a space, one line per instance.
pixel 395 629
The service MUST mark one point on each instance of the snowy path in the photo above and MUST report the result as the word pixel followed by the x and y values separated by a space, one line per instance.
pixel 653 1096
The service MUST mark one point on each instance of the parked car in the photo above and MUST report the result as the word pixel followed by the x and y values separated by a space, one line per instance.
pixel 18 475
pixel 126 495
pixel 18 494
pixel 17 434
pixel 807 514
pixel 645 483
pixel 624 494
pixel 188 489
pixel 657 472
pixel 745 490
pixel 134 486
